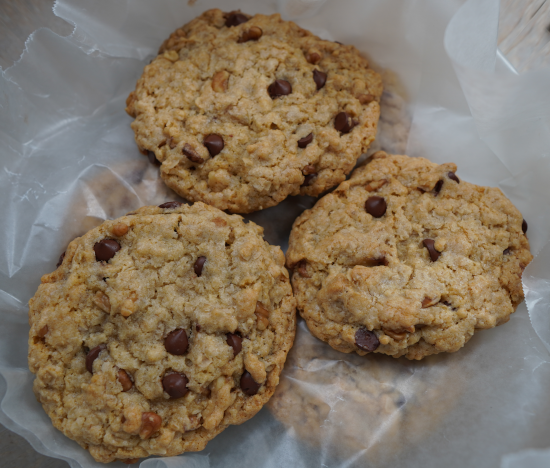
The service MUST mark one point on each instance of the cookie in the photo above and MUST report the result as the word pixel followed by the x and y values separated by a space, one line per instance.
pixel 243 111
pixel 406 259
pixel 369 409
pixel 159 329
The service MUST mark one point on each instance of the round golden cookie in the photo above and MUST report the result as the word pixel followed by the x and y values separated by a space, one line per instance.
pixel 244 111
pixel 406 259
pixel 159 329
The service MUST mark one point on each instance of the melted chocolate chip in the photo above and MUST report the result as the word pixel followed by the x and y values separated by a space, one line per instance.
pixel 429 244
pixel 171 205
pixel 235 18
pixel 320 78
pixel 252 34
pixel 438 187
pixel 124 380
pixel 279 88
pixel 309 179
pixel 152 158
pixel 506 252
pixel 106 249
pixel 199 264
pixel 235 341
pixel 524 226
pixel 176 342
pixel 249 385
pixel 60 261
pixel 214 144
pixel 453 176
pixel 175 385
pixel 366 340
pixel 92 356
pixel 343 122
pixel 303 142
pixel 376 206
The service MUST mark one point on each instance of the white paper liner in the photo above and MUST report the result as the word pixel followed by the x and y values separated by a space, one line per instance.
pixel 69 162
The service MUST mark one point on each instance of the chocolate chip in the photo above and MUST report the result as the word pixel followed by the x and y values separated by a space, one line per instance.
pixel 197 327
pixel 92 356
pixel 124 380
pixel 303 142
pixel 171 205
pixel 176 342
pixel 60 261
pixel 235 341
pixel 252 34
pixel 437 187
pixel 153 159
pixel 214 144
pixel 234 18
pixel 313 57
pixel 453 176
pixel 320 78
pixel 249 385
pixel 191 154
pixel 366 340
pixel 343 122
pixel 524 226
pixel 376 206
pixel 429 244
pixel 279 88
pixel 448 304
pixel 309 179
pixel 106 249
pixel 199 264
pixel 175 385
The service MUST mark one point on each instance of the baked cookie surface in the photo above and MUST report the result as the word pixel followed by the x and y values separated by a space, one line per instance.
pixel 408 260
pixel 159 329
pixel 244 111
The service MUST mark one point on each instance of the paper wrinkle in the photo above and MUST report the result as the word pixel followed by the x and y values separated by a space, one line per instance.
pixel 70 162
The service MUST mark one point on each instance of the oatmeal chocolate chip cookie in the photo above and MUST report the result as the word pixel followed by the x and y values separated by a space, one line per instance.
pixel 407 259
pixel 160 329
pixel 244 111
pixel 367 408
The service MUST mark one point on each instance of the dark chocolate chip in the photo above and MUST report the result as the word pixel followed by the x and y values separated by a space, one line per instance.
pixel 176 342
pixel 506 252
pixel 214 144
pixel 197 327
pixel 106 249
pixel 376 206
pixel 235 341
pixel 343 122
pixel 175 385
pixel 60 261
pixel 92 356
pixel 303 142
pixel 249 385
pixel 437 187
pixel 124 380
pixel 309 179
pixel 366 340
pixel 199 264
pixel 235 18
pixel 453 176
pixel 279 88
pixel 429 244
pixel 320 78
pixel 191 154
pixel 171 205
pixel 153 159
pixel 524 226
pixel 301 266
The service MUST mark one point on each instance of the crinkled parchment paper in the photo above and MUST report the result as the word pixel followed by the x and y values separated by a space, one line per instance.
pixel 69 161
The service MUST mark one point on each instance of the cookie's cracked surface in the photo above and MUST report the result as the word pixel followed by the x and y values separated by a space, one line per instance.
pixel 407 259
pixel 243 113
pixel 159 329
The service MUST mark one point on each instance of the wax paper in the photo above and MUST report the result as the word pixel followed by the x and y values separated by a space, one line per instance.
pixel 69 162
